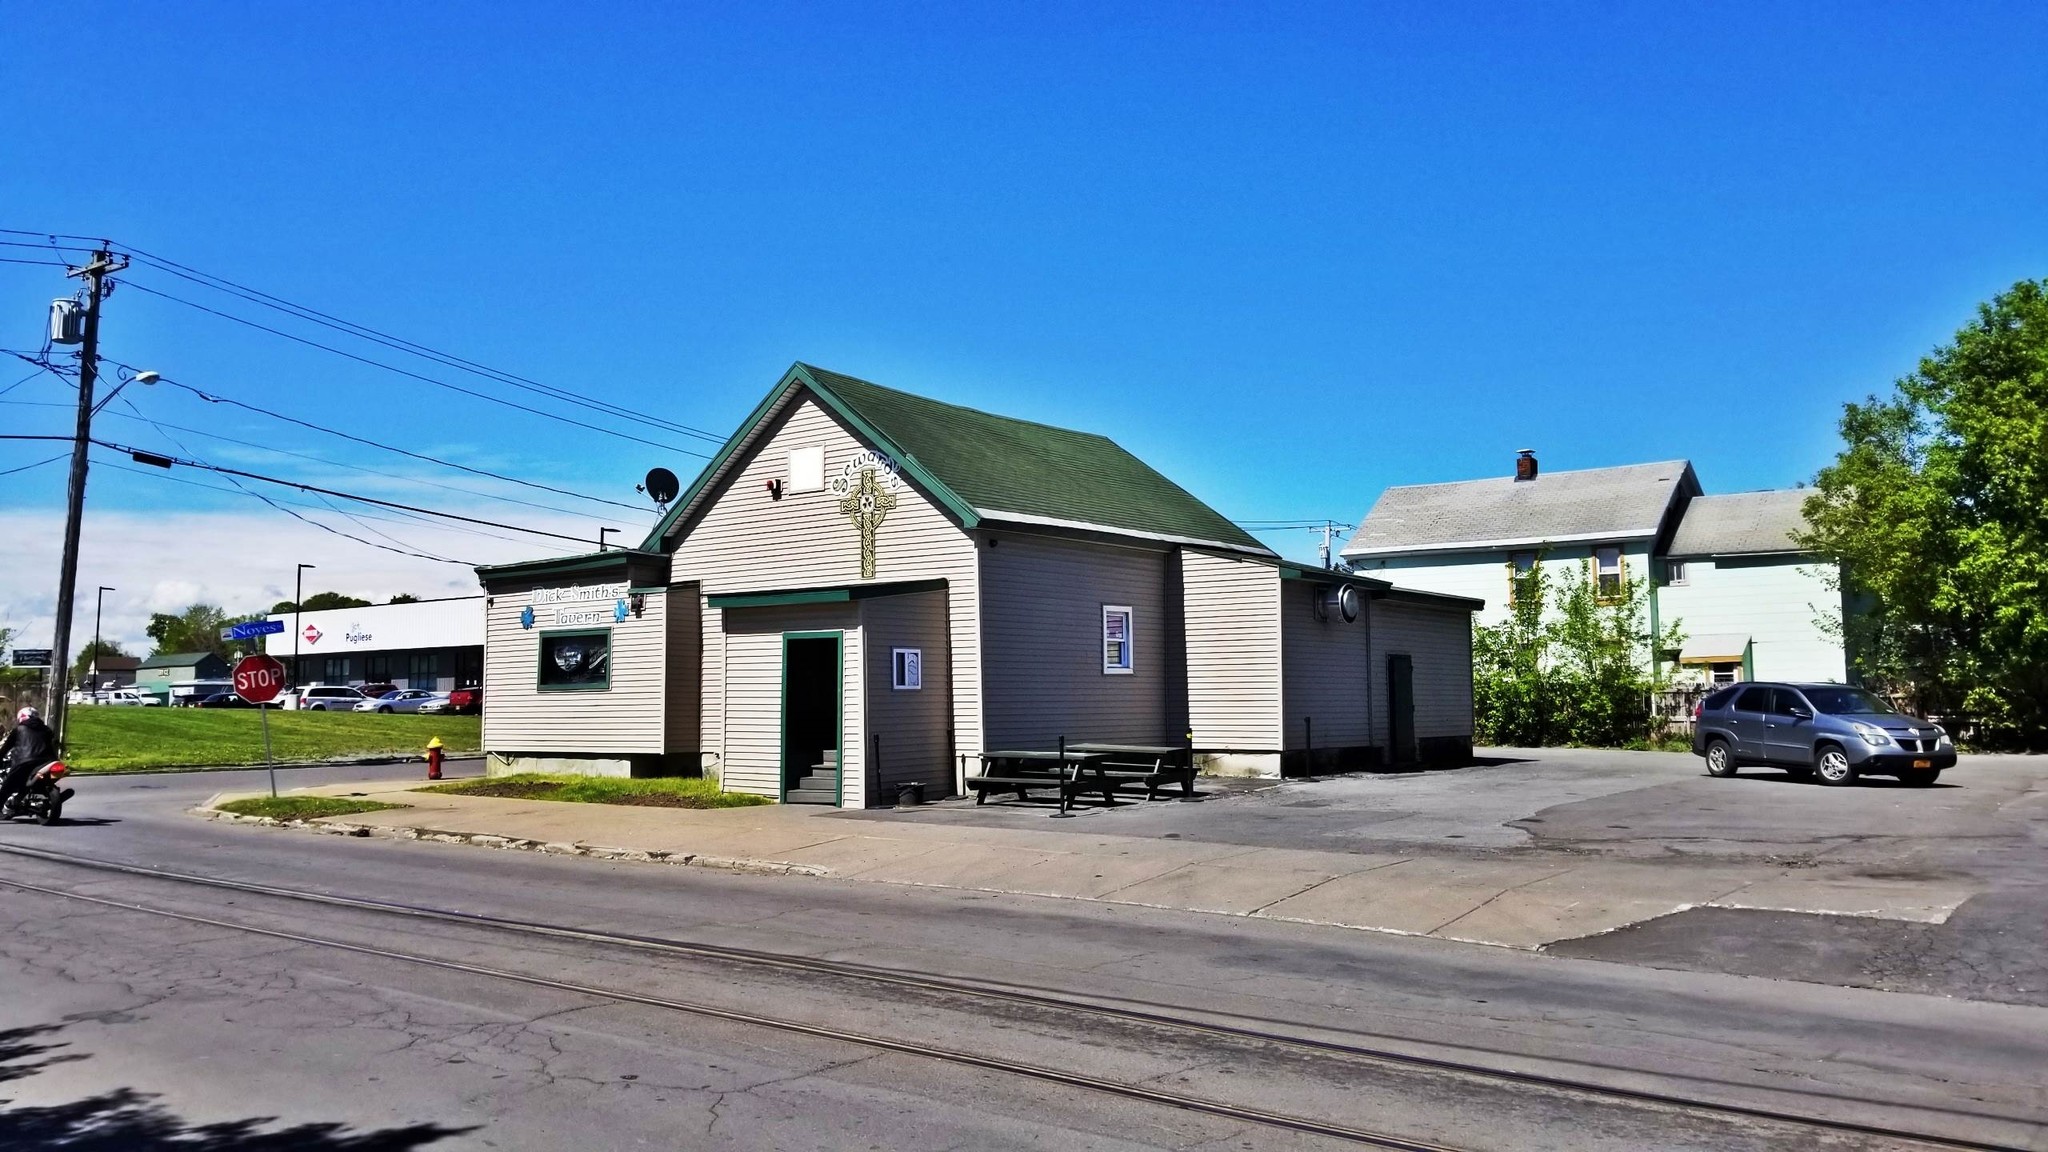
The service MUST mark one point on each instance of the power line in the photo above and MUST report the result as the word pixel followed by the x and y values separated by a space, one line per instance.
pixel 411 347
pixel 37 464
pixel 275 415
pixel 403 549
pixel 402 518
pixel 323 460
pixel 305 487
pixel 279 332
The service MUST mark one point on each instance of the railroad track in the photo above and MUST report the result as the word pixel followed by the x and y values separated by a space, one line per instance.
pixel 948 986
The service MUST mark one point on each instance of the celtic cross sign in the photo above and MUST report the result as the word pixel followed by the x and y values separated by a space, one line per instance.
pixel 865 488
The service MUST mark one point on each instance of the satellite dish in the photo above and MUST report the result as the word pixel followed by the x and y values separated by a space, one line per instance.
pixel 661 486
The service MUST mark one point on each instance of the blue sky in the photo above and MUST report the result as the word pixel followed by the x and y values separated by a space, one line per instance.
pixel 1288 255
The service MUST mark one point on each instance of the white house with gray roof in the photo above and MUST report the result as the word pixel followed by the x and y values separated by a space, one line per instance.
pixel 1725 568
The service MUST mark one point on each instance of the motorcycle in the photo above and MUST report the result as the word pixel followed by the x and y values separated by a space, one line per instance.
pixel 42 797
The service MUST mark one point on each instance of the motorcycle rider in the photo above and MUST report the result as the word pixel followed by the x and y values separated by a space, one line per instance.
pixel 28 746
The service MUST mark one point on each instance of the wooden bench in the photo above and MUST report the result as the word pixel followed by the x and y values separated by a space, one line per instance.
pixel 1070 772
pixel 1153 765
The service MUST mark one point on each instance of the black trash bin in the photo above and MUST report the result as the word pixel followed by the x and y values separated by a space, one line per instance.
pixel 909 795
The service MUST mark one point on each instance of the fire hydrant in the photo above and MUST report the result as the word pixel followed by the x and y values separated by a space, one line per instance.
pixel 434 758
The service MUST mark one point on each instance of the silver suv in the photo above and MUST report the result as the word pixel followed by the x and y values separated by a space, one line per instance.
pixel 1833 731
pixel 328 698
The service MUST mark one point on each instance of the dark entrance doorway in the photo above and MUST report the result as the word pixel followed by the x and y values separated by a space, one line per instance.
pixel 811 693
pixel 1401 709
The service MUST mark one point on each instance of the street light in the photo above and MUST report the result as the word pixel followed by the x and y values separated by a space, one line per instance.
pixel 298 595
pixel 98 602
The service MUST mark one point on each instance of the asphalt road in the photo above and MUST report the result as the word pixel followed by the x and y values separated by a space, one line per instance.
pixel 144 1013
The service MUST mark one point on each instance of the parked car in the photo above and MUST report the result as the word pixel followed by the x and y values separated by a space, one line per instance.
pixel 400 700
pixel 131 698
pixel 463 701
pixel 328 698
pixel 222 700
pixel 1832 731
pixel 375 690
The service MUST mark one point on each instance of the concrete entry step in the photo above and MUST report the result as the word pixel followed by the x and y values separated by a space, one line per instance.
pixel 811 795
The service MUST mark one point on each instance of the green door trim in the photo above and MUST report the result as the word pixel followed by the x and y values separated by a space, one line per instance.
pixel 838 712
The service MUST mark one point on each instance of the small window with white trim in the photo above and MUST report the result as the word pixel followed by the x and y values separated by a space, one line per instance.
pixel 1116 639
pixel 1607 574
pixel 1674 573
pixel 906 669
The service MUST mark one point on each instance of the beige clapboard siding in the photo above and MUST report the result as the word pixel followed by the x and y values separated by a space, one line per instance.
pixel 914 726
pixel 1042 647
pixel 745 541
pixel 1327 672
pixel 752 752
pixel 623 719
pixel 1440 644
pixel 682 725
pixel 1233 643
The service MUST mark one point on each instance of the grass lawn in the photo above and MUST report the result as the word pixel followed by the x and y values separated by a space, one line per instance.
pixel 658 792
pixel 107 739
pixel 302 807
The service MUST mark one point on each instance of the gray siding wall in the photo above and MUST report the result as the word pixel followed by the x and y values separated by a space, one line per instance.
pixel 623 719
pixel 751 753
pixel 747 542
pixel 1440 644
pixel 1327 672
pixel 682 724
pixel 914 726
pixel 1232 610
pixel 1042 648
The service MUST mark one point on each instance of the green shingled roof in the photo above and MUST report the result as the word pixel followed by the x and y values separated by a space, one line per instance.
pixel 988 465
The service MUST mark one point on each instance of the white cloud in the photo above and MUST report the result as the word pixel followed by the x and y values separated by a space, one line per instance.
pixel 241 561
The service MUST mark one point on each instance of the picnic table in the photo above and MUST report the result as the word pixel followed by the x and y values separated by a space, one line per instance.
pixel 1153 765
pixel 1069 771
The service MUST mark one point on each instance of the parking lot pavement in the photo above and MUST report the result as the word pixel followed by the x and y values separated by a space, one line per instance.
pixel 1640 857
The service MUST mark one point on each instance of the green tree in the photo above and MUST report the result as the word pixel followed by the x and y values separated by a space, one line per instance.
pixel 92 650
pixel 319 601
pixel 1568 666
pixel 403 598
pixel 17 685
pixel 196 629
pixel 1936 510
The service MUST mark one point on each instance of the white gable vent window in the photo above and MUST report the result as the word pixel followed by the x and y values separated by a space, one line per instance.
pixel 807 470
pixel 1116 639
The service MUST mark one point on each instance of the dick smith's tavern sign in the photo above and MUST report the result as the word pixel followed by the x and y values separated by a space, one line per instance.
pixel 577 605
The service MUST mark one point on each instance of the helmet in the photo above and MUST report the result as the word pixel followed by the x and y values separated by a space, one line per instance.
pixel 25 715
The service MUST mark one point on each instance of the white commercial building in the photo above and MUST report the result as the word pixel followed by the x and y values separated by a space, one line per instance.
pixel 436 644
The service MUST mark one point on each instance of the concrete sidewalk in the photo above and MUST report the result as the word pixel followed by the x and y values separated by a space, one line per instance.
pixel 1522 901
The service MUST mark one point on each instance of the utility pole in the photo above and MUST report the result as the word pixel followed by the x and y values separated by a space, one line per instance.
pixel 95 276
pixel 1328 527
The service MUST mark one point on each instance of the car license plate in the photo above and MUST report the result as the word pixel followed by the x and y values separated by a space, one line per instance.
pixel 1923 763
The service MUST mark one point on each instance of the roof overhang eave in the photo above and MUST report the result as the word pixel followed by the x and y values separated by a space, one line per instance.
pixel 1352 551
pixel 991 517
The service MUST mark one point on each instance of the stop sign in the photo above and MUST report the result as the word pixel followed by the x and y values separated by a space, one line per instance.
pixel 258 678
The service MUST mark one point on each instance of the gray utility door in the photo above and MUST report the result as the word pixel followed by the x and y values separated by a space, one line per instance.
pixel 1746 718
pixel 1401 708
pixel 1788 739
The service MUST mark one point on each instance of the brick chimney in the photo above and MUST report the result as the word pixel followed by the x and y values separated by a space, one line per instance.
pixel 1525 464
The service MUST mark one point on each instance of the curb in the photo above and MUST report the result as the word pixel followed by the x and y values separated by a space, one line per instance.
pixel 354 762
pixel 329 826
